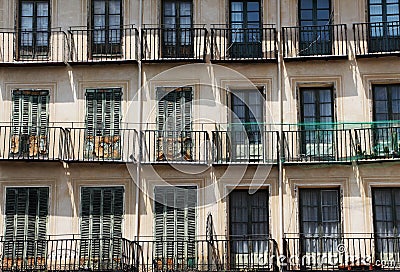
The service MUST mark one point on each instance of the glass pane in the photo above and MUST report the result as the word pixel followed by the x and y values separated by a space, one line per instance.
pixel 323 15
pixel 115 7
pixel 237 6
pixel 253 16
pixel 377 1
pixel 26 23
pixel 42 39
pixel 27 9
pixel 237 17
pixel 253 6
pixel 114 20
pixel 169 8
pixel 185 9
pixel 42 9
pixel 380 93
pixel 375 10
pixel 42 23
pixel 99 7
pixel 323 4
pixel 306 4
pixel 99 21
pixel 325 96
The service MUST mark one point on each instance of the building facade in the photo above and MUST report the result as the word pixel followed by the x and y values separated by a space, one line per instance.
pixel 177 135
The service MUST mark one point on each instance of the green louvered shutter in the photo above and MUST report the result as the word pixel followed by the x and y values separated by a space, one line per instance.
pixel 26 221
pixel 175 223
pixel 101 220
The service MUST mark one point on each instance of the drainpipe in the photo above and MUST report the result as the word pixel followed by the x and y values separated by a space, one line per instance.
pixel 281 149
pixel 138 164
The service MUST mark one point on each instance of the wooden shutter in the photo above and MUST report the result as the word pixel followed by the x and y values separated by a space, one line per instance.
pixel 175 220
pixel 174 109
pixel 103 111
pixel 26 219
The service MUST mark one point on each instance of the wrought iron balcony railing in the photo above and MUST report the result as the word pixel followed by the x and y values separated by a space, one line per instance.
pixel 32 143
pixel 245 146
pixel 317 143
pixel 73 254
pixel 241 44
pixel 341 252
pixel 100 145
pixel 107 44
pixel 380 38
pixel 182 254
pixel 378 141
pixel 33 46
pixel 174 44
pixel 175 146
pixel 327 41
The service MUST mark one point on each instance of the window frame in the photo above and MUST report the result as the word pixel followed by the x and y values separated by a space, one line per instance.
pixel 389 100
pixel 33 50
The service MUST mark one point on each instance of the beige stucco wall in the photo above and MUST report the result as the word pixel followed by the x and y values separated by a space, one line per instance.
pixel 350 78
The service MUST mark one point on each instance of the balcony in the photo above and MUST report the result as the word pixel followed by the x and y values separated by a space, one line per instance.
pixel 315 42
pixel 243 44
pixel 341 252
pixel 317 143
pixel 187 147
pixel 182 254
pixel 163 44
pixel 32 143
pixel 100 145
pixel 68 254
pixel 245 147
pixel 113 44
pixel 377 39
pixel 378 141
pixel 27 47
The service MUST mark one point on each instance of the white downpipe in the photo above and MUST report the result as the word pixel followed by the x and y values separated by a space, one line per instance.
pixel 138 164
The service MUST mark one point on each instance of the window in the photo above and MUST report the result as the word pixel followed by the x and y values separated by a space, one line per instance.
pixel 319 220
pixel 30 121
pixel 246 127
pixel 175 227
pixel 386 207
pixel 316 118
pixel 386 105
pixel 107 27
pixel 102 210
pixel 34 24
pixel 315 30
pixel 26 211
pixel 248 217
pixel 246 25
pixel 177 29
pixel 103 116
pixel 174 122
pixel 384 25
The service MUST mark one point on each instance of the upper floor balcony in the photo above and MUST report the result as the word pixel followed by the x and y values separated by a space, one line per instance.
pixel 167 146
pixel 245 144
pixel 377 39
pixel 33 47
pixel 243 44
pixel 315 42
pixel 111 44
pixel 32 143
pixel 174 44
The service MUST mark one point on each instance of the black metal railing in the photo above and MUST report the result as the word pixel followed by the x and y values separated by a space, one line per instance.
pixel 315 41
pixel 240 44
pixel 112 43
pixel 378 141
pixel 73 254
pixel 174 44
pixel 160 146
pixel 33 46
pixel 101 145
pixel 377 38
pixel 244 253
pixel 340 252
pixel 31 143
pixel 309 143
pixel 245 146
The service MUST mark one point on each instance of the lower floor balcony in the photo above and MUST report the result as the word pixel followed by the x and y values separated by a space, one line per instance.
pixel 68 254
pixel 345 251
